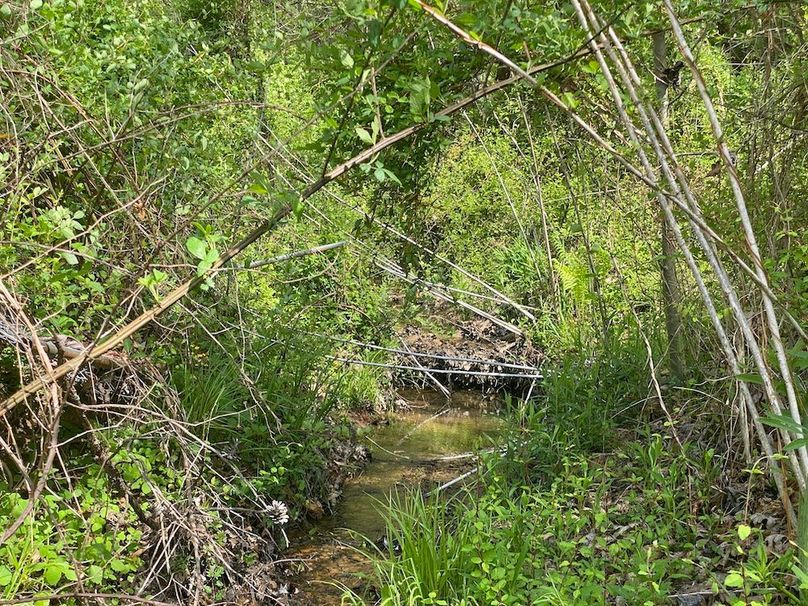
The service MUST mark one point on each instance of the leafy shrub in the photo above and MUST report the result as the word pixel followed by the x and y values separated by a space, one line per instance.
pixel 79 533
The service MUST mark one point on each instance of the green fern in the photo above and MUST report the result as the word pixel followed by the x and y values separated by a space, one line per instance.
pixel 575 276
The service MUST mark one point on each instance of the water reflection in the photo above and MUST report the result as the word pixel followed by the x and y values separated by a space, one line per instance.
pixel 407 451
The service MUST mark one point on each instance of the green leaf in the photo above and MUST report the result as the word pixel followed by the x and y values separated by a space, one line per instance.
pixel 796 444
pixel 70 258
pixel 346 59
pixel 783 422
pixel 798 356
pixel 95 574
pixel 5 10
pixel 257 188
pixel 744 531
pixel 297 207
pixel 734 580
pixel 391 175
pixel 203 267
pixel 53 574
pixel 364 135
pixel 36 4
pixel 196 247
pixel 211 256
pixel 802 576
pixel 569 100
pixel 119 565
pixel 592 67
pixel 6 576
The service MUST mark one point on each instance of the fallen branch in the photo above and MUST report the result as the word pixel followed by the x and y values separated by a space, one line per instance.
pixel 59 345
pixel 301 253
pixel 451 371
pixel 441 387
pixel 454 481
pixel 419 354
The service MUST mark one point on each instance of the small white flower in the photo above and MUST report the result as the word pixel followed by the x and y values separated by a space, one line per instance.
pixel 278 512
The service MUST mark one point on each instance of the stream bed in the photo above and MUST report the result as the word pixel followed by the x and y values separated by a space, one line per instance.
pixel 409 450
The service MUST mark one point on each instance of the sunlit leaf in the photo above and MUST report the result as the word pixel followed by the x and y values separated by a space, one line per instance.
pixel 196 247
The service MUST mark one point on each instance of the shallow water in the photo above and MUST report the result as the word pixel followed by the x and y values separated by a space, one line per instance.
pixel 407 452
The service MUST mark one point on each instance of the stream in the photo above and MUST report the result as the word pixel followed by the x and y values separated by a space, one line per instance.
pixel 408 451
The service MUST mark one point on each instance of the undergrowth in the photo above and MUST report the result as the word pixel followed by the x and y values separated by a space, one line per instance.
pixel 269 410
pixel 80 530
pixel 580 509
pixel 612 530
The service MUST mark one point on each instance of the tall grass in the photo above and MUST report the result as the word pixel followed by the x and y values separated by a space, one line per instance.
pixel 576 409
pixel 466 549
pixel 426 559
pixel 212 396
pixel 430 541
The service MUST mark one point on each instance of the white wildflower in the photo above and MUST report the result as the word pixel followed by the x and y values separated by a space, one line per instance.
pixel 278 512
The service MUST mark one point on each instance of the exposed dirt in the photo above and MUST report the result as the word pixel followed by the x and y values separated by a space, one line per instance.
pixel 497 359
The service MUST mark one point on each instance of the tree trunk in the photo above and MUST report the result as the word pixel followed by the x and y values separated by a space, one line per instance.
pixel 671 294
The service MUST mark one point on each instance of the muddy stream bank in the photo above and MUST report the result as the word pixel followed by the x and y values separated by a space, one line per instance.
pixel 409 449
